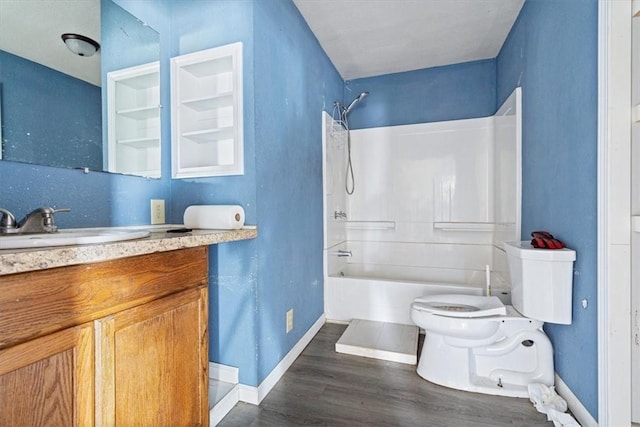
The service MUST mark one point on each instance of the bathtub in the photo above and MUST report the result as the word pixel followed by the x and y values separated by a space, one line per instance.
pixel 386 296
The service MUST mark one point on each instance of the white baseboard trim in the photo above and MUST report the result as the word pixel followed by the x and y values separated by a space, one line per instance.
pixel 338 322
pixel 228 374
pixel 222 408
pixel 254 395
pixel 575 406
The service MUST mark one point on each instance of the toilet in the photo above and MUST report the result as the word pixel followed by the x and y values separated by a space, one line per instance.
pixel 476 343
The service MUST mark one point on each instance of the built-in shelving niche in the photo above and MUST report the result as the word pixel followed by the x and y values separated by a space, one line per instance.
pixel 206 99
pixel 133 104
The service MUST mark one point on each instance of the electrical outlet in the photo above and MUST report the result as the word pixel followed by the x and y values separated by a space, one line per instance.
pixel 289 320
pixel 157 211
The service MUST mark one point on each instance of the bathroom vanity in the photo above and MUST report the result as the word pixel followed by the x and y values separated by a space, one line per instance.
pixel 119 339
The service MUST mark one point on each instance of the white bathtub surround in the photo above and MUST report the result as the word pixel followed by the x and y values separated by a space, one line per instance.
pixel 380 340
pixel 434 203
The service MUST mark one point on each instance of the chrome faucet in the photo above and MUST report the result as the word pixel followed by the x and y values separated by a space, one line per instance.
pixel 38 221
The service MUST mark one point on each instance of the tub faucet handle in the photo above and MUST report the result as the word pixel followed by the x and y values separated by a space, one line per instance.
pixel 339 214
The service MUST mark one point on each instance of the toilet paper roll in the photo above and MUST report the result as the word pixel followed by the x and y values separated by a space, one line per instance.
pixel 224 217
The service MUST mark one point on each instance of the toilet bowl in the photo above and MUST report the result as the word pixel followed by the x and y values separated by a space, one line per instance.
pixel 476 343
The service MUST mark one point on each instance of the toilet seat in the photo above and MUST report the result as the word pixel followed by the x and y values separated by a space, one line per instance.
pixel 467 306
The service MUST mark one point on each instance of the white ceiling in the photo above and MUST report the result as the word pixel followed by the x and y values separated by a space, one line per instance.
pixel 362 38
pixel 31 29
pixel 365 38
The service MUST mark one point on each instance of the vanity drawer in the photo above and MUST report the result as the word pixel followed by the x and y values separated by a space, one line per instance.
pixel 38 303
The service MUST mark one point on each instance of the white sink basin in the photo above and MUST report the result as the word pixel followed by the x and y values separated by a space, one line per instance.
pixel 79 236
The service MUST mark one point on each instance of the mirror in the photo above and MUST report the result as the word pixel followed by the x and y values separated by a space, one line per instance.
pixel 57 109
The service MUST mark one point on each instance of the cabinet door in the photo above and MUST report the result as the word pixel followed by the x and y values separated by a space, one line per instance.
pixel 152 363
pixel 49 381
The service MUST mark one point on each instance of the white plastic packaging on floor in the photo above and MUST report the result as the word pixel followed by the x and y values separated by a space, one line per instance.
pixel 380 340
pixel 547 401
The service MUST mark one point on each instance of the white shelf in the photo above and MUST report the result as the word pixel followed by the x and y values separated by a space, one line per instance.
pixel 141 113
pixel 464 226
pixel 209 135
pixel 143 81
pixel 141 142
pixel 208 67
pixel 224 99
pixel 635 223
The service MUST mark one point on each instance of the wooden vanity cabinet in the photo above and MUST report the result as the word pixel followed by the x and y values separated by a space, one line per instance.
pixel 121 342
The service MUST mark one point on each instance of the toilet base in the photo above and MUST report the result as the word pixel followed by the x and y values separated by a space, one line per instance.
pixel 504 368
pixel 481 385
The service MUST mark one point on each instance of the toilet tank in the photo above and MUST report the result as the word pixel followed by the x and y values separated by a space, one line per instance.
pixel 541 281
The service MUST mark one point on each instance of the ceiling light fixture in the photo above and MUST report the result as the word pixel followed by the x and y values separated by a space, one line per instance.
pixel 80 45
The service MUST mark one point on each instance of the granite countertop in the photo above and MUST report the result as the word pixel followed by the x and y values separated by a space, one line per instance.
pixel 22 260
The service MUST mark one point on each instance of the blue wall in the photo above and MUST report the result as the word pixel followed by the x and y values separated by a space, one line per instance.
pixel 47 116
pixel 294 82
pixel 452 92
pixel 552 53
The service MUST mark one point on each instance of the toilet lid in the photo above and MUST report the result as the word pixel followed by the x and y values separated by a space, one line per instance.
pixel 460 305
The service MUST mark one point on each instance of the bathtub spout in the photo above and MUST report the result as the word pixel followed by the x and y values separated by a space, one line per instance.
pixel 341 253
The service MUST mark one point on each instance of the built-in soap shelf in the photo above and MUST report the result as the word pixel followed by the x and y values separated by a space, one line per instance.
pixel 370 225
pixel 464 226
pixel 635 223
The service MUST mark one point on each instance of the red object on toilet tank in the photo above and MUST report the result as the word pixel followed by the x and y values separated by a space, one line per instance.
pixel 545 240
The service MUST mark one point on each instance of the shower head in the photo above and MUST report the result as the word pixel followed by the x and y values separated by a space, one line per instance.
pixel 355 101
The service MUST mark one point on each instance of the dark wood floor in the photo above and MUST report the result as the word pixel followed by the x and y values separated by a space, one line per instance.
pixel 325 388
